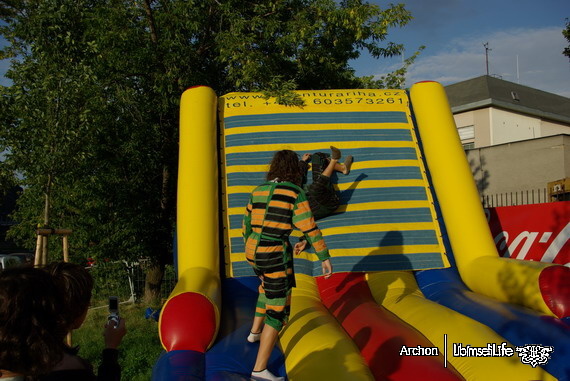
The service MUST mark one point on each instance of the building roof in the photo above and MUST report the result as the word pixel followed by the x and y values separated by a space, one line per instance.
pixel 487 91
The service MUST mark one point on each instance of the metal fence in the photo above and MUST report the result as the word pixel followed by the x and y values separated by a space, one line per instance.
pixel 125 280
pixel 533 196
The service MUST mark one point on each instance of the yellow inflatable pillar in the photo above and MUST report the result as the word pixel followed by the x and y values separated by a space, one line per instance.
pixel 196 299
pixel 481 268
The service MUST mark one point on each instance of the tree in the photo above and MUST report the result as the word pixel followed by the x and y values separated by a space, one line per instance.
pixel 7 182
pixel 93 108
pixel 48 126
pixel 566 34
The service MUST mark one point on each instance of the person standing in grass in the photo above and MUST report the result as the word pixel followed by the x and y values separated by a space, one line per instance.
pixel 75 284
pixel 273 210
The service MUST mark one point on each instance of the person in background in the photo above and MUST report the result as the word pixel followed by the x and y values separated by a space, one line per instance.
pixel 323 198
pixel 75 285
pixel 31 329
pixel 321 194
pixel 273 210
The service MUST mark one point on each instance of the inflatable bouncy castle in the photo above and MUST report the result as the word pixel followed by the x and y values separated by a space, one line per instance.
pixel 419 291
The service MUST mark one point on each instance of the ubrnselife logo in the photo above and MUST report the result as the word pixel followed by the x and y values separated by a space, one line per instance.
pixel 529 354
pixel 534 355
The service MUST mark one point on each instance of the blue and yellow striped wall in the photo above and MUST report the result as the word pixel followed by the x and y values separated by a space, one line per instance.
pixel 387 217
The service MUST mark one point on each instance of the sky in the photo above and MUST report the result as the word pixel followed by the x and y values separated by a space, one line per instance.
pixel 454 31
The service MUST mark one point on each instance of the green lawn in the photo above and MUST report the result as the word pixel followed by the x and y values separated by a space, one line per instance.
pixel 140 347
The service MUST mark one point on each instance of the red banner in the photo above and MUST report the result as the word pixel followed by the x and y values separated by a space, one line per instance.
pixel 536 232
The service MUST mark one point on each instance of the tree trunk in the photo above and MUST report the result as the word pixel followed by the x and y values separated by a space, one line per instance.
pixel 162 239
pixel 153 282
pixel 47 196
pixel 155 273
pixel 151 23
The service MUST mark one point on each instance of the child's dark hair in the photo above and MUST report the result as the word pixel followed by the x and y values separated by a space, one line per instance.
pixel 285 167
pixel 75 284
pixel 31 332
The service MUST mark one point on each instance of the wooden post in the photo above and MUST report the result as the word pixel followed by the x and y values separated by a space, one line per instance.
pixel 44 250
pixel 37 259
pixel 42 244
pixel 48 231
pixel 42 253
pixel 65 248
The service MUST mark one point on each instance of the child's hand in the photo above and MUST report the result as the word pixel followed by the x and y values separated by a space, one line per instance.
pixel 114 334
pixel 306 157
pixel 327 268
pixel 299 246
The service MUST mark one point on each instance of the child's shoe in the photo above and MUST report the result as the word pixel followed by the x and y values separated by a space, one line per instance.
pixel 347 164
pixel 253 337
pixel 335 153
pixel 265 375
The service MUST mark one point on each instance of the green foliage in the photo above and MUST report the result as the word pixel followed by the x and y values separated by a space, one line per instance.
pixel 110 279
pixel 91 120
pixel 566 34
pixel 7 181
pixel 394 80
pixel 76 136
pixel 114 278
pixel 139 349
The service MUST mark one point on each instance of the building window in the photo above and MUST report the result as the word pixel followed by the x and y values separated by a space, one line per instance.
pixel 466 133
pixel 467 136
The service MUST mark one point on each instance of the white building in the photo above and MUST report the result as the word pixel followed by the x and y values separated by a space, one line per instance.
pixel 517 138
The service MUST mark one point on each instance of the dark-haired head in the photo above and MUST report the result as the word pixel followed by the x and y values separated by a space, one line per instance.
pixel 31 332
pixel 285 167
pixel 75 283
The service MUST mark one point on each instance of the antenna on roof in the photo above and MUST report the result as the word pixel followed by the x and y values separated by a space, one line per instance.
pixel 487 49
pixel 518 78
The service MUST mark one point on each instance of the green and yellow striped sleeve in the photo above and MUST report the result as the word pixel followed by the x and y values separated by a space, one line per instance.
pixel 304 221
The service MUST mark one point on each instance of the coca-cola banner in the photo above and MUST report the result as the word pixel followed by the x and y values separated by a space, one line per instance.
pixel 537 232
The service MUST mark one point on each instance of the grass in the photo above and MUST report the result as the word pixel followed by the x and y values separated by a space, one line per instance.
pixel 139 349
